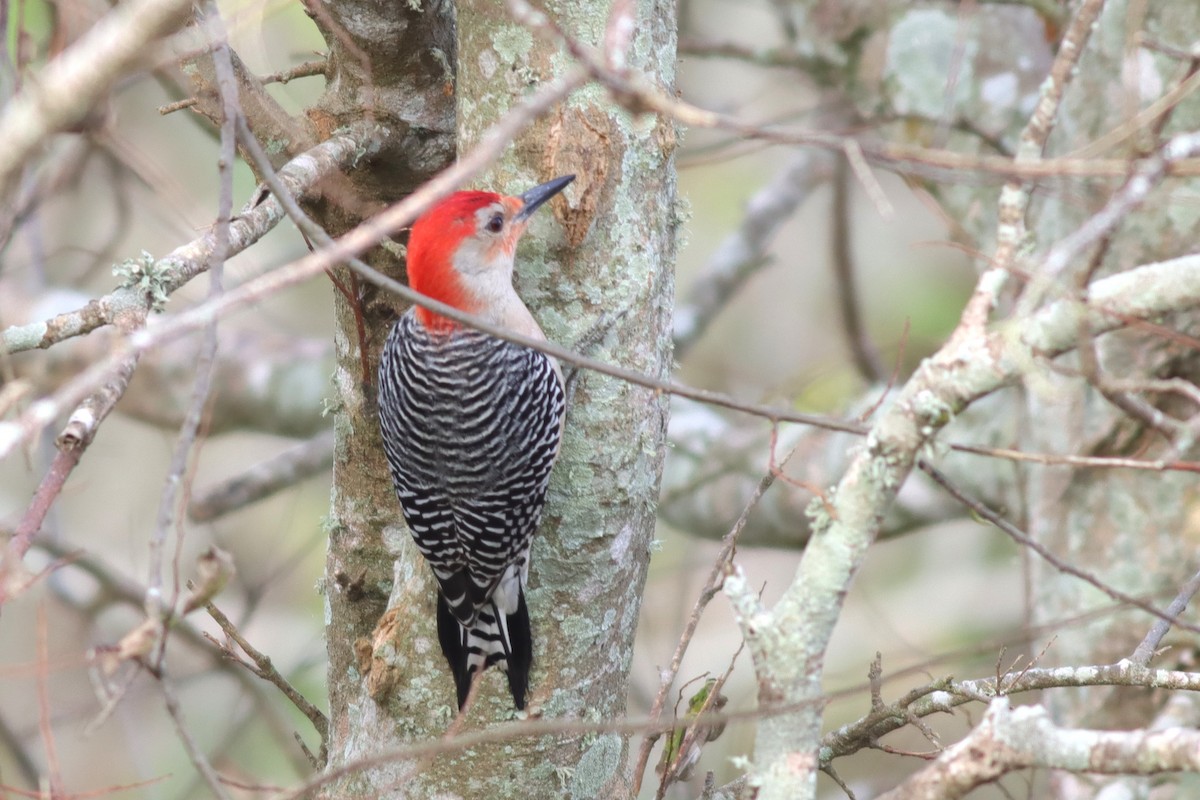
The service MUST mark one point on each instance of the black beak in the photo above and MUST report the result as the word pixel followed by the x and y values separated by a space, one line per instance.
pixel 540 194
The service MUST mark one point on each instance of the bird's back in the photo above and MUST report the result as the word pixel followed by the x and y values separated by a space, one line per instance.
pixel 471 426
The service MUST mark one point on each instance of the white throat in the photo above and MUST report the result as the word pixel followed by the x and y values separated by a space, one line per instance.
pixel 489 285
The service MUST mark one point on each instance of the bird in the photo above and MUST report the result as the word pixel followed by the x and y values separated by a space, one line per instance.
pixel 471 426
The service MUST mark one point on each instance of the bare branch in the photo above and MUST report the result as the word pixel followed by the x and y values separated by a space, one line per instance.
pixel 53 766
pixel 72 83
pixel 15 746
pixel 264 479
pixel 75 438
pixel 865 355
pixel 266 670
pixel 744 251
pixel 764 57
pixel 1146 648
pixel 183 263
pixel 305 69
pixel 116 589
pixel 198 759
pixel 1009 739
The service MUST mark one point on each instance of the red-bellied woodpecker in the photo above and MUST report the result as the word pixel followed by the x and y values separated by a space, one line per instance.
pixel 471 426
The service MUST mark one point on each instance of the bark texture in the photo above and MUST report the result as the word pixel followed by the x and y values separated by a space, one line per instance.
pixel 596 269
pixel 389 63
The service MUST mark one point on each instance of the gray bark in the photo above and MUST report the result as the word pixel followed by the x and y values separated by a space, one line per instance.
pixel 387 62
pixel 600 261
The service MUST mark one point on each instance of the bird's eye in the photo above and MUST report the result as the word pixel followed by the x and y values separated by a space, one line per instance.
pixel 496 223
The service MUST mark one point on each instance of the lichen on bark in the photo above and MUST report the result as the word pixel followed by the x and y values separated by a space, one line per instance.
pixel 600 261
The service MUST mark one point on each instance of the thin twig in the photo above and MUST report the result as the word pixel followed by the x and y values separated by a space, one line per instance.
pixel 177 479
pixel 716 578
pixel 1147 648
pixel 264 479
pixel 47 492
pixel 832 773
pixel 189 742
pixel 14 745
pixel 1173 430
pixel 1147 175
pixel 853 153
pixel 115 588
pixel 1041 550
pixel 266 670
pixel 702 728
pixel 45 715
pixel 1090 462
pixel 784 57
pixel 1153 118
pixel 865 356
pixel 303 70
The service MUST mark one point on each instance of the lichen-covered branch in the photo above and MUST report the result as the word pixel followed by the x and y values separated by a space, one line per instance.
pixel 266 380
pixel 1016 195
pixel 156 279
pixel 944 695
pixel 788 641
pixel 1009 739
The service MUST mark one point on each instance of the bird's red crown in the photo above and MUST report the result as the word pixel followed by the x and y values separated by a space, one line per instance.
pixel 434 238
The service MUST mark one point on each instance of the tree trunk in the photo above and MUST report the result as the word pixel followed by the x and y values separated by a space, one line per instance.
pixel 392 63
pixel 597 271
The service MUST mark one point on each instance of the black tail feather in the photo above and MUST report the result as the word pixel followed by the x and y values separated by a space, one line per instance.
pixel 516 660
pixel 520 657
pixel 450 634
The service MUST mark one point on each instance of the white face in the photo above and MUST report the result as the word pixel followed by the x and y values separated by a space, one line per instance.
pixel 484 260
pixel 492 246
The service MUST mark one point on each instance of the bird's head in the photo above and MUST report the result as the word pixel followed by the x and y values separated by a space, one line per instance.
pixel 461 251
